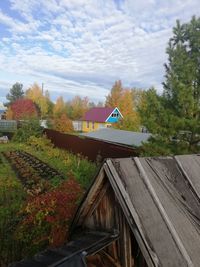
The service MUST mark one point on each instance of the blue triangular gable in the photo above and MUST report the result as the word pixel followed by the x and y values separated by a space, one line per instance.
pixel 114 116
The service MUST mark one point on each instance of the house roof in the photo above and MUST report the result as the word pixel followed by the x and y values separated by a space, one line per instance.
pixel 73 253
pixel 98 114
pixel 119 136
pixel 160 198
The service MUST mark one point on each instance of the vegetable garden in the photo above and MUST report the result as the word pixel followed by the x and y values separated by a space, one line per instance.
pixel 40 187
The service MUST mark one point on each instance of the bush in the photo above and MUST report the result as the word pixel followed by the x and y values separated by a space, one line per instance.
pixel 46 217
pixel 40 143
pixel 28 128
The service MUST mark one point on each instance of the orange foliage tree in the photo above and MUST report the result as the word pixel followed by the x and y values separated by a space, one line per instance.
pixel 113 99
pixel 63 124
pixel 9 114
pixel 127 101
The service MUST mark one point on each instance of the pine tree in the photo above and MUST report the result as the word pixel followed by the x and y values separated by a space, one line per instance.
pixel 16 93
pixel 176 114
pixel 182 86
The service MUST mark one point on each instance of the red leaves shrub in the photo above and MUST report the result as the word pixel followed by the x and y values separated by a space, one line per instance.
pixel 47 216
pixel 23 108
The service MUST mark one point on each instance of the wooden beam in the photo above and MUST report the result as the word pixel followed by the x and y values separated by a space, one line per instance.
pixel 86 205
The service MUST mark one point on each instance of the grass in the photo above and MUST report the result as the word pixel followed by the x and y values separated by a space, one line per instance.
pixel 61 160
pixel 13 195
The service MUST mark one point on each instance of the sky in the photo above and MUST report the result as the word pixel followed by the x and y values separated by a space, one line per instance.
pixel 81 47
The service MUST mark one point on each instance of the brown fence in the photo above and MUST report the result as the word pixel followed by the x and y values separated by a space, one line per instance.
pixel 95 150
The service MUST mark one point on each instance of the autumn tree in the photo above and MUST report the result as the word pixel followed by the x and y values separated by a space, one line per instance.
pixel 63 124
pixel 36 95
pixel 59 107
pixel 124 100
pixel 16 92
pixel 9 113
pixel 79 106
pixel 113 99
pixel 23 108
pixel 131 119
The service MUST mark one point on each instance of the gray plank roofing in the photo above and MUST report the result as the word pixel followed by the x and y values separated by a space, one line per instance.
pixel 119 136
pixel 160 199
pixel 164 197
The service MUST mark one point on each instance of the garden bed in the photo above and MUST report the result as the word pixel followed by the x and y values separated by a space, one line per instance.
pixel 35 175
pixel 39 189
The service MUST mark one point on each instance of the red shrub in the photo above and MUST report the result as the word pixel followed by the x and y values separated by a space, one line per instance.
pixel 47 216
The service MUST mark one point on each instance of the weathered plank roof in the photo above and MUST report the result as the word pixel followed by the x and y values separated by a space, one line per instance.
pixel 160 199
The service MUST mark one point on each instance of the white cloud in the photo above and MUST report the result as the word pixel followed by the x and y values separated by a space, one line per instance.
pixel 82 47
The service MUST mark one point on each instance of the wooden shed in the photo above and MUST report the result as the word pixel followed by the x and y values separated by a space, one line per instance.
pixel 154 203
pixel 138 212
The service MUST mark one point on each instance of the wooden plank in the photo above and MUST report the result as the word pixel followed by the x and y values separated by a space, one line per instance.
pixel 87 203
pixel 163 213
pixel 126 243
pixel 98 199
pixel 192 169
pixel 111 262
pixel 130 213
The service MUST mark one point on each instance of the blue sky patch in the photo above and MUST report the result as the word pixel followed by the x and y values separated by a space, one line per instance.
pixel 81 47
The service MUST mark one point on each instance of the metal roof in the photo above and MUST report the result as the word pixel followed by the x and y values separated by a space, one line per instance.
pixel 160 199
pixel 119 136
pixel 98 114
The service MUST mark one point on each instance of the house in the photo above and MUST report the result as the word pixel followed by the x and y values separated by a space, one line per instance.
pixel 100 117
pixel 138 212
pixel 120 137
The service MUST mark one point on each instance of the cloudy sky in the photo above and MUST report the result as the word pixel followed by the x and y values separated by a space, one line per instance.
pixel 80 47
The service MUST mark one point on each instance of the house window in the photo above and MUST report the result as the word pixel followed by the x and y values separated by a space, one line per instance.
pixel 93 125
pixel 88 124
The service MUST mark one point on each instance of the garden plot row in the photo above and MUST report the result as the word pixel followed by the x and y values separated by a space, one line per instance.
pixel 33 172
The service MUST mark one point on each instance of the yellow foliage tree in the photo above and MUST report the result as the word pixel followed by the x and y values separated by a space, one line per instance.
pixel 127 101
pixel 79 106
pixel 59 107
pixel 9 114
pixel 113 99
pixel 36 95
pixel 63 124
